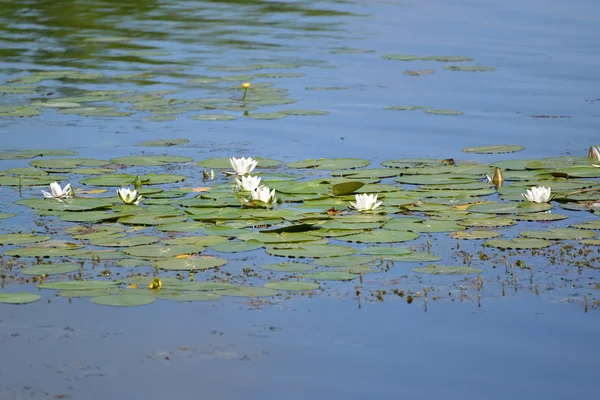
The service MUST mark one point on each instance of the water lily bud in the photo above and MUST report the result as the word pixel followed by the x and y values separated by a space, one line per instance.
pixel 498 178
pixel 137 183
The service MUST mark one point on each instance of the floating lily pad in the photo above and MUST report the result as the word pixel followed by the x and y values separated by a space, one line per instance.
pixel 518 243
pixel 90 216
pixel 164 142
pixel 487 222
pixel 447 58
pixel 150 160
pixel 7 215
pixel 309 250
pixel 266 116
pixel 238 247
pixel 22 238
pixel 509 208
pixel 443 112
pixel 330 164
pixel 470 68
pixel 292 285
pixel 19 298
pixel 223 163
pixel 79 285
pixel 124 241
pixel 386 251
pixel 345 188
pixel 407 108
pixel 474 235
pixel 304 112
pixel 541 216
pixel 495 149
pixel 595 224
pixel 381 236
pixel 126 179
pixel 401 57
pixel 288 267
pixel 124 300
pixel 447 270
pixel 560 234
pixel 213 117
pixel 249 291
pixel 331 276
pixel 184 297
pixel 344 261
pixel 49 269
pixel 417 257
pixel 160 251
pixel 190 263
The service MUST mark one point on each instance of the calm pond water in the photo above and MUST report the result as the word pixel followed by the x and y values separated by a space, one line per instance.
pixel 319 56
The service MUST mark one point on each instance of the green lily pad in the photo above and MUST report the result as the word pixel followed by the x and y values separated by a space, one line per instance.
pixel 443 112
pixel 223 163
pixel 49 269
pixel 330 164
pixel 150 160
pixel 386 251
pixel 518 243
pixel 509 208
pixel 541 216
pixel 186 226
pixel 380 236
pixel 401 57
pixel 79 285
pixel 309 250
pixel 266 116
pixel 304 112
pixel 407 108
pixel 595 224
pixel 184 297
pixel 164 142
pixel 331 276
pixel 126 179
pixel 249 291
pixel 560 234
pixel 19 298
pixel 124 300
pixel 345 188
pixel 486 222
pixel 124 241
pixel 238 247
pixel 73 204
pixel 7 215
pixel 151 219
pixel 470 68
pixel 90 216
pixel 493 149
pixel 22 238
pixel 417 257
pixel 474 235
pixel 288 267
pixel 160 251
pixel 190 263
pixel 344 261
pixel 292 285
pixel 213 117
pixel 447 270
pixel 447 58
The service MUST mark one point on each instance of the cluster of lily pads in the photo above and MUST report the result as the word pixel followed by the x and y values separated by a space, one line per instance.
pixel 342 221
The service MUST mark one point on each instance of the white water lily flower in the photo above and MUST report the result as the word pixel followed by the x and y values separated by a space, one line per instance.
pixel 129 196
pixel 57 192
pixel 538 194
pixel 365 202
pixel 594 153
pixel 243 166
pixel 263 194
pixel 248 183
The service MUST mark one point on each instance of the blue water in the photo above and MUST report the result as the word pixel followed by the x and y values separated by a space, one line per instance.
pixel 547 57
